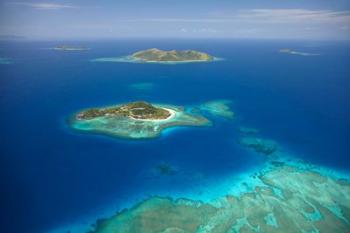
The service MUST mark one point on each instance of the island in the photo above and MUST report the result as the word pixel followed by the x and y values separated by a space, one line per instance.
pixel 70 48
pixel 293 52
pixel 136 110
pixel 134 120
pixel 155 55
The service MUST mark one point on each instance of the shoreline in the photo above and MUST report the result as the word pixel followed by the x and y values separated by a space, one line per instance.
pixel 130 59
pixel 171 111
pixel 139 126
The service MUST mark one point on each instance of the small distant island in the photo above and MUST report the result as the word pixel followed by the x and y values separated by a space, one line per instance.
pixel 290 51
pixel 134 120
pixel 70 48
pixel 155 55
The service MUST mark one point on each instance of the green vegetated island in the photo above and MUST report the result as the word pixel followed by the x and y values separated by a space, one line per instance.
pixel 135 120
pixel 155 55
pixel 135 110
pixel 141 119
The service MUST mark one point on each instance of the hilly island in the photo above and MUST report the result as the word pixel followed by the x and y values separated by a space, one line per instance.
pixel 155 55
pixel 171 56
pixel 134 120
pixel 134 110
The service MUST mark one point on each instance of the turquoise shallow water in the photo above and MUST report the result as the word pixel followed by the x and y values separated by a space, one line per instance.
pixel 52 176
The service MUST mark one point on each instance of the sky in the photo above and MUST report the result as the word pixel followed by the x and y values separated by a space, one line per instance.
pixel 112 19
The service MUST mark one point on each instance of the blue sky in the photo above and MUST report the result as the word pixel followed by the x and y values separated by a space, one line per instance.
pixel 258 19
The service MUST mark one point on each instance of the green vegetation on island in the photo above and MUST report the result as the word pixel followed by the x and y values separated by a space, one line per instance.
pixel 157 55
pixel 161 57
pixel 134 120
pixel 134 110
pixel 140 119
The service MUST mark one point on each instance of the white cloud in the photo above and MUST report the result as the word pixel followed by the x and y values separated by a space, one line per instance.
pixel 260 16
pixel 292 15
pixel 262 23
pixel 45 6
pixel 172 20
pixel 199 30
pixel 205 30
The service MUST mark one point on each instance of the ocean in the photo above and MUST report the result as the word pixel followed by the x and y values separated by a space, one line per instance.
pixel 52 176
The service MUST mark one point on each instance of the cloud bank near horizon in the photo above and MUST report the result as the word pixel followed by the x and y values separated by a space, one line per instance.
pixel 102 22
pixel 44 6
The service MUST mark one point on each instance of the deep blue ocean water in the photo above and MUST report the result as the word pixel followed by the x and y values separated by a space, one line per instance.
pixel 51 175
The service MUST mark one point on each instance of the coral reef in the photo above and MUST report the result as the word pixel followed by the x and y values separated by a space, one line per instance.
pixel 288 200
pixel 260 145
pixel 218 108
